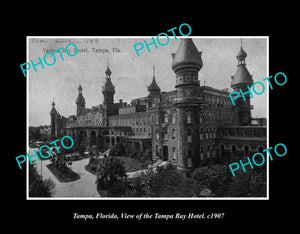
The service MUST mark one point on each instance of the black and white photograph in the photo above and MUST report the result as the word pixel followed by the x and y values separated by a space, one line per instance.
pixel 107 122
pixel 128 121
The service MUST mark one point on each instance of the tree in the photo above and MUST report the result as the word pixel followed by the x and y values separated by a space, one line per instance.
pixel 117 150
pixel 39 187
pixel 34 133
pixel 248 184
pixel 60 161
pixel 110 172
pixel 164 182
pixel 170 182
pixel 215 177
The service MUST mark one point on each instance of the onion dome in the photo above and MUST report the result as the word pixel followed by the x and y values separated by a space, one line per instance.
pixel 187 55
pixel 80 99
pixel 108 87
pixel 53 110
pixel 153 87
pixel 242 76
pixel 108 72
pixel 241 54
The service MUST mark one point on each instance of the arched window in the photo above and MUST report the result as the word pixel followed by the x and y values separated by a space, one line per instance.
pixel 173 134
pixel 166 118
pixel 174 118
pixel 189 136
pixel 222 150
pixel 246 150
pixel 233 149
pixel 189 158
pixel 174 153
pixel 189 117
pixel 165 131
pixel 152 119
pixel 208 151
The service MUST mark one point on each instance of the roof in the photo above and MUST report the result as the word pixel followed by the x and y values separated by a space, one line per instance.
pixel 136 137
pixel 214 91
pixel 241 54
pixel 153 86
pixel 242 76
pixel 187 54
pixel 80 99
pixel 108 86
pixel 53 111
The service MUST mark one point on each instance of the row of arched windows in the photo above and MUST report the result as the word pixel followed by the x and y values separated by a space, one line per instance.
pixel 245 148
pixel 205 117
pixel 215 117
pixel 243 132
pixel 218 102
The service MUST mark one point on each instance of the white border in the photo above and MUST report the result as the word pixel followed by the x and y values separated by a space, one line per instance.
pixel 141 198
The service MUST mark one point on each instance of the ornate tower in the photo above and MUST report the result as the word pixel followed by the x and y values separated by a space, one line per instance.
pixel 153 88
pixel 53 114
pixel 186 64
pixel 108 89
pixel 80 102
pixel 240 82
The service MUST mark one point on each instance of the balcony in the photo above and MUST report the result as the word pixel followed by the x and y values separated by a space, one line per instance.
pixel 245 108
pixel 187 99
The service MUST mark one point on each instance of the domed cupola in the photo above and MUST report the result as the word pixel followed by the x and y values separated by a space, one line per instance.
pixel 241 55
pixel 187 55
pixel 242 76
pixel 187 62
pixel 80 99
pixel 53 110
pixel 108 87
pixel 80 102
pixel 153 88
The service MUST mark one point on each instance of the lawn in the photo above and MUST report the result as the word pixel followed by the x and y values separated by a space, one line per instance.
pixel 67 176
pixel 130 164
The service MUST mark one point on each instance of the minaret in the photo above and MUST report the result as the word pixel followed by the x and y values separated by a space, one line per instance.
pixel 186 64
pixel 108 89
pixel 53 114
pixel 80 102
pixel 153 88
pixel 240 82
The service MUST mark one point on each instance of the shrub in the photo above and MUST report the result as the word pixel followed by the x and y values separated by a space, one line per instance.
pixel 39 187
pixel 111 170
pixel 215 177
pixel 248 184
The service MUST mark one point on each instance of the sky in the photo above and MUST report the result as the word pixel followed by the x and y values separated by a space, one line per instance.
pixel 131 74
